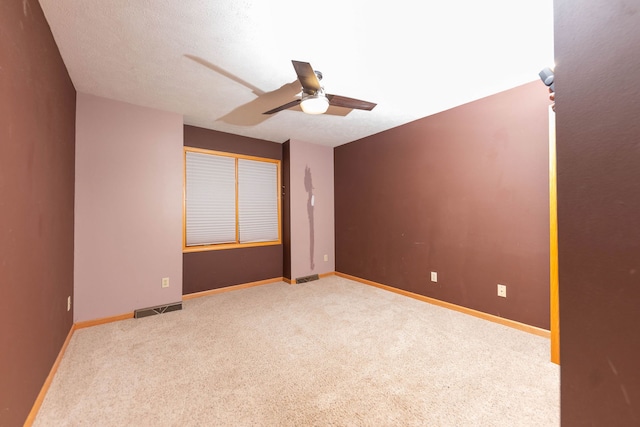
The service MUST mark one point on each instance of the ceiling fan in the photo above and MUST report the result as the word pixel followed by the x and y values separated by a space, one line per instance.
pixel 314 100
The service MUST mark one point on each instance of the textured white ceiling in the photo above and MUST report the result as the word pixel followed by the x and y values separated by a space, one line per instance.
pixel 221 63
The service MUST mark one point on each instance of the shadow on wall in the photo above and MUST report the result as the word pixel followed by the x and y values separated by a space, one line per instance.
pixel 308 186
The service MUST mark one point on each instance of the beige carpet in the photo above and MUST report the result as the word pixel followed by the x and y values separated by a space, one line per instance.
pixel 325 353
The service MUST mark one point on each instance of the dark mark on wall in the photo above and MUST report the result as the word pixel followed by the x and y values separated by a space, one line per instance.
pixel 308 186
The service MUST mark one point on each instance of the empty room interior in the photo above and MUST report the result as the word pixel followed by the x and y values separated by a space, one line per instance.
pixel 442 197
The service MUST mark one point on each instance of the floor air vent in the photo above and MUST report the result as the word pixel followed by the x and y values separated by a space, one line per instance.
pixel 144 312
pixel 307 278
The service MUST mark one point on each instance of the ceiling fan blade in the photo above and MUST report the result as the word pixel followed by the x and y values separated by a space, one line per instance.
pixel 307 76
pixel 343 101
pixel 283 107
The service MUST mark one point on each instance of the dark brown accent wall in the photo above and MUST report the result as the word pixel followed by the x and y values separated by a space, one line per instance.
pixel 598 158
pixel 220 141
pixel 203 271
pixel 37 143
pixel 463 193
pixel 286 209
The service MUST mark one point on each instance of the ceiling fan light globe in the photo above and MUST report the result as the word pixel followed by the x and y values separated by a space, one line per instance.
pixel 314 104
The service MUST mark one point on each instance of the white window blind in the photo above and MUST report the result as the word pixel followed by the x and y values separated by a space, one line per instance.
pixel 210 199
pixel 257 201
pixel 231 200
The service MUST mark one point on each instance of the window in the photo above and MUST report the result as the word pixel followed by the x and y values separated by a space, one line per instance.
pixel 230 201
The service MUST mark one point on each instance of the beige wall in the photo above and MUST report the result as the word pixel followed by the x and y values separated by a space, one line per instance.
pixel 307 252
pixel 128 207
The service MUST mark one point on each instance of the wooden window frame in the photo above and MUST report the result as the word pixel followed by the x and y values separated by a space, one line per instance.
pixel 237 244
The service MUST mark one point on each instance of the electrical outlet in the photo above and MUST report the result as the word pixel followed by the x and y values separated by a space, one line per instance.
pixel 165 282
pixel 502 291
pixel 69 303
pixel 434 276
pixel 326 257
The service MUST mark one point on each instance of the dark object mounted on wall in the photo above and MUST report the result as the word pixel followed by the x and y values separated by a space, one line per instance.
pixel 547 77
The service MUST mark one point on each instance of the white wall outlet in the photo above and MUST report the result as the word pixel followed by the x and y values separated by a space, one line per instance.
pixel 502 291
pixel 434 276
pixel 165 282
pixel 326 257
pixel 69 303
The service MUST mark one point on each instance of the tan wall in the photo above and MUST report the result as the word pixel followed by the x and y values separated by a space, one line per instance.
pixel 128 203
pixel 312 227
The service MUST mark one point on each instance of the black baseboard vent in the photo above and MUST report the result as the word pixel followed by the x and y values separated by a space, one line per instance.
pixel 306 279
pixel 145 312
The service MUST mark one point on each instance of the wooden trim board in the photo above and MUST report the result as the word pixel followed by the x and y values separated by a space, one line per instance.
pixel 47 382
pixel 554 307
pixel 231 288
pixel 496 319
pixel 102 321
